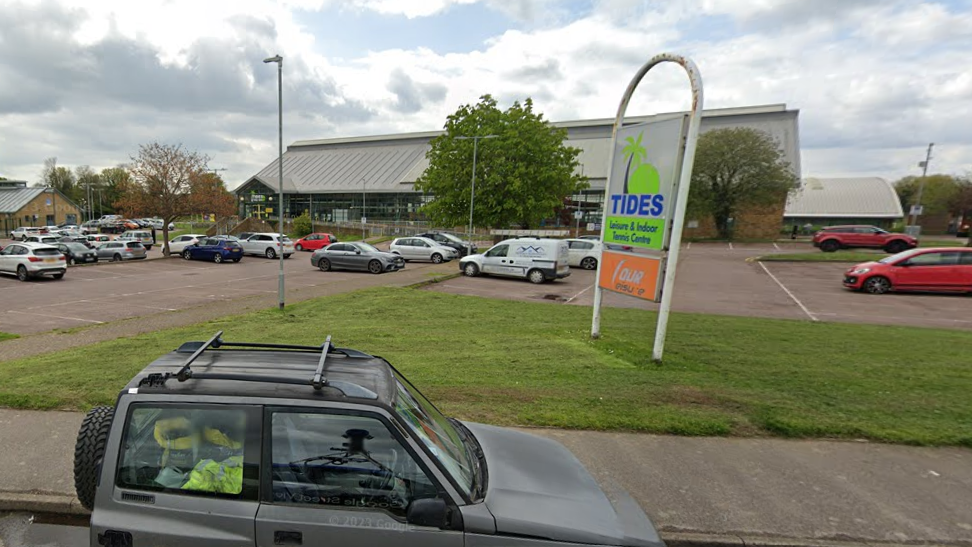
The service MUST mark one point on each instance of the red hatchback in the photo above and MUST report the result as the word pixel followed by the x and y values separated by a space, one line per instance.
pixel 942 269
pixel 833 238
pixel 313 242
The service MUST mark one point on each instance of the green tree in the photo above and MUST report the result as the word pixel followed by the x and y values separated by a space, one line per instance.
pixel 111 180
pixel 738 168
pixel 303 225
pixel 60 178
pixel 522 175
pixel 938 191
pixel 86 188
pixel 960 204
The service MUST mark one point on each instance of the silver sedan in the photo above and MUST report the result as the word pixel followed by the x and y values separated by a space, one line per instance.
pixel 356 256
pixel 120 250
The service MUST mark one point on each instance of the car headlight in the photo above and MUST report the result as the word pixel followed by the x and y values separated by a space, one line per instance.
pixel 861 271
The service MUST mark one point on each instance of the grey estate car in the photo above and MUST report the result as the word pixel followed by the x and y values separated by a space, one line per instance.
pixel 120 250
pixel 356 256
pixel 243 444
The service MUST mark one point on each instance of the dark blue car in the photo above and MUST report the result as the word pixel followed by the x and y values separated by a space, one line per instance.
pixel 215 249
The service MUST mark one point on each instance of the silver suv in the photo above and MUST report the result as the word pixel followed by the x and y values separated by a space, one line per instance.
pixel 234 443
pixel 28 260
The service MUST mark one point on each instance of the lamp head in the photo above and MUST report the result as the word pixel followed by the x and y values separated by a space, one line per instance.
pixel 274 59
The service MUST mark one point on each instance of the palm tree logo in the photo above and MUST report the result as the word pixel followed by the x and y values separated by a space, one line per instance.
pixel 640 177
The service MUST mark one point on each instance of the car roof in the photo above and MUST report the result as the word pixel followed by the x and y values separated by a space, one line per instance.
pixel 288 374
pixel 920 250
pixel 34 246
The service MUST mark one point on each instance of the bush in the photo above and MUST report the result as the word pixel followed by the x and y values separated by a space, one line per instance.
pixel 303 225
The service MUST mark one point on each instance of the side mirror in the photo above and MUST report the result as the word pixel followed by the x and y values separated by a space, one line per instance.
pixel 428 512
pixel 357 251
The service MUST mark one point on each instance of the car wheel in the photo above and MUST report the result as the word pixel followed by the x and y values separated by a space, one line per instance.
pixel 877 285
pixel 187 255
pixel 237 259
pixel 896 247
pixel 374 267
pixel 829 246
pixel 589 263
pixel 116 258
pixel 89 450
pixel 436 258
pixel 22 273
pixel 286 257
pixel 299 247
pixel 271 253
pixel 470 269
pixel 536 277
pixel 70 261
pixel 324 265
pixel 58 276
pixel 218 258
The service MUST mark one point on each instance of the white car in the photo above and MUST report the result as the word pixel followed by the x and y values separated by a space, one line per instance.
pixel 27 260
pixel 268 245
pixel 533 258
pixel 23 232
pixel 584 253
pixel 45 239
pixel 422 248
pixel 179 244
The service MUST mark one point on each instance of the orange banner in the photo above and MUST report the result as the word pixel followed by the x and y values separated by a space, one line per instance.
pixel 634 275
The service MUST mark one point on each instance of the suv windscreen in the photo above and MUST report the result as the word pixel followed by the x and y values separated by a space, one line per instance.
pixel 436 433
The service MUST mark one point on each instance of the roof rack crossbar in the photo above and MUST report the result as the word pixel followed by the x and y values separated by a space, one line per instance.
pixel 184 372
pixel 270 346
pixel 319 381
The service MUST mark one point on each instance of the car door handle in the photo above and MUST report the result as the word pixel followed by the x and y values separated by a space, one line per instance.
pixel 281 537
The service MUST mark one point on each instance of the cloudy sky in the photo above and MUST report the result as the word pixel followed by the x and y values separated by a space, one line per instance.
pixel 88 80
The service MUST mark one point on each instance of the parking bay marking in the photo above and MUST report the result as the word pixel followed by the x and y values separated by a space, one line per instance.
pixel 57 317
pixel 790 294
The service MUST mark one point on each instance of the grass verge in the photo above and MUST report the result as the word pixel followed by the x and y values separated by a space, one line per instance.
pixel 519 363
pixel 837 256
pixel 7 336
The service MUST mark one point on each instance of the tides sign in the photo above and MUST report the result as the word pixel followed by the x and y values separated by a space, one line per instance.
pixel 641 192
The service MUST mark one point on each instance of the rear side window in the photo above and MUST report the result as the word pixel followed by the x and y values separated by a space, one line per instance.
pixel 199 450
pixel 134 245
pixel 965 259
pixel 46 252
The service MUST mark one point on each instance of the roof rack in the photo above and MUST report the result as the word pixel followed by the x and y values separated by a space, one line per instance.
pixel 318 381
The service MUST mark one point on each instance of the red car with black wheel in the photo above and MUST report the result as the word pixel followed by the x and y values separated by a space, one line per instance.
pixel 315 241
pixel 940 269
pixel 834 238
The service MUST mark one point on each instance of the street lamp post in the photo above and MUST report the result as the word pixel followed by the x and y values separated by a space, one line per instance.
pixel 280 275
pixel 472 192
pixel 921 185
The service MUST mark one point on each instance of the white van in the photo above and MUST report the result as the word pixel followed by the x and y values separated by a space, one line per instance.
pixel 532 258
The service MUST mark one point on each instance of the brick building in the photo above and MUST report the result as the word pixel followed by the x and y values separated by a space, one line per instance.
pixel 23 206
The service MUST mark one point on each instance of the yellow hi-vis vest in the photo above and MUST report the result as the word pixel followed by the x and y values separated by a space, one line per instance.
pixel 225 477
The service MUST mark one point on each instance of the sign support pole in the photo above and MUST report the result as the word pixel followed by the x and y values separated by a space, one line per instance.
pixel 695 79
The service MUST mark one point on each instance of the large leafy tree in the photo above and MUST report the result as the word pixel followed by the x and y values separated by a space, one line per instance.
pixel 208 195
pixel 162 178
pixel 60 178
pixel 960 204
pixel 936 194
pixel 735 169
pixel 522 175
pixel 112 179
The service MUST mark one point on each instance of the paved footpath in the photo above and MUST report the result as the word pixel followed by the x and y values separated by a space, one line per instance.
pixel 698 491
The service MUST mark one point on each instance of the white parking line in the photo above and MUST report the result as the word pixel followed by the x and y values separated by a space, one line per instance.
pixel 572 298
pixel 56 316
pixel 777 247
pixel 730 245
pixel 790 294
pixel 689 246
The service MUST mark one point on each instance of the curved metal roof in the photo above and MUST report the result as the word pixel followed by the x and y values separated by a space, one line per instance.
pixel 860 197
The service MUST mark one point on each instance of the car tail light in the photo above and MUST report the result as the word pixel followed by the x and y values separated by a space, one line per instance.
pixel 62 257
pixel 34 259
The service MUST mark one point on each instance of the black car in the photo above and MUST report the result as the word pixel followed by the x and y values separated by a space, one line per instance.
pixel 82 240
pixel 448 240
pixel 77 253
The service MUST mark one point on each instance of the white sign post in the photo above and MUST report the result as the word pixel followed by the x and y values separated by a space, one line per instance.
pixel 637 199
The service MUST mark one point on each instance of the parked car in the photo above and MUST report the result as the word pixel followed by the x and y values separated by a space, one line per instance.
pixel 45 239
pixel 531 258
pixel 142 236
pixel 178 244
pixel 321 445
pixel 942 269
pixel 243 236
pixel 422 248
pixel 216 249
pixel 98 238
pixel 23 232
pixel 30 260
pixel 463 248
pixel 82 240
pixel 583 253
pixel 357 255
pixel 608 246
pixel 268 245
pixel 120 250
pixel 833 238
pixel 77 253
pixel 49 229
pixel 70 227
pixel 313 242
pixel 90 227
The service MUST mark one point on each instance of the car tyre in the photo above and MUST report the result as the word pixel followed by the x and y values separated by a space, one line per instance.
pixel 877 285
pixel 70 261
pixel 324 265
pixel 589 263
pixel 299 247
pixel 218 258
pixel 271 254
pixel 237 259
pixel 829 246
pixel 470 269
pixel 116 258
pixel 436 258
pixel 187 255
pixel 89 450
pixel 58 276
pixel 536 277
pixel 22 273
pixel 896 247
pixel 374 267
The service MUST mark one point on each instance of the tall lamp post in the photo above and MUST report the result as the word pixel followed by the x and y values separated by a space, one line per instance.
pixel 921 185
pixel 280 275
pixel 472 192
